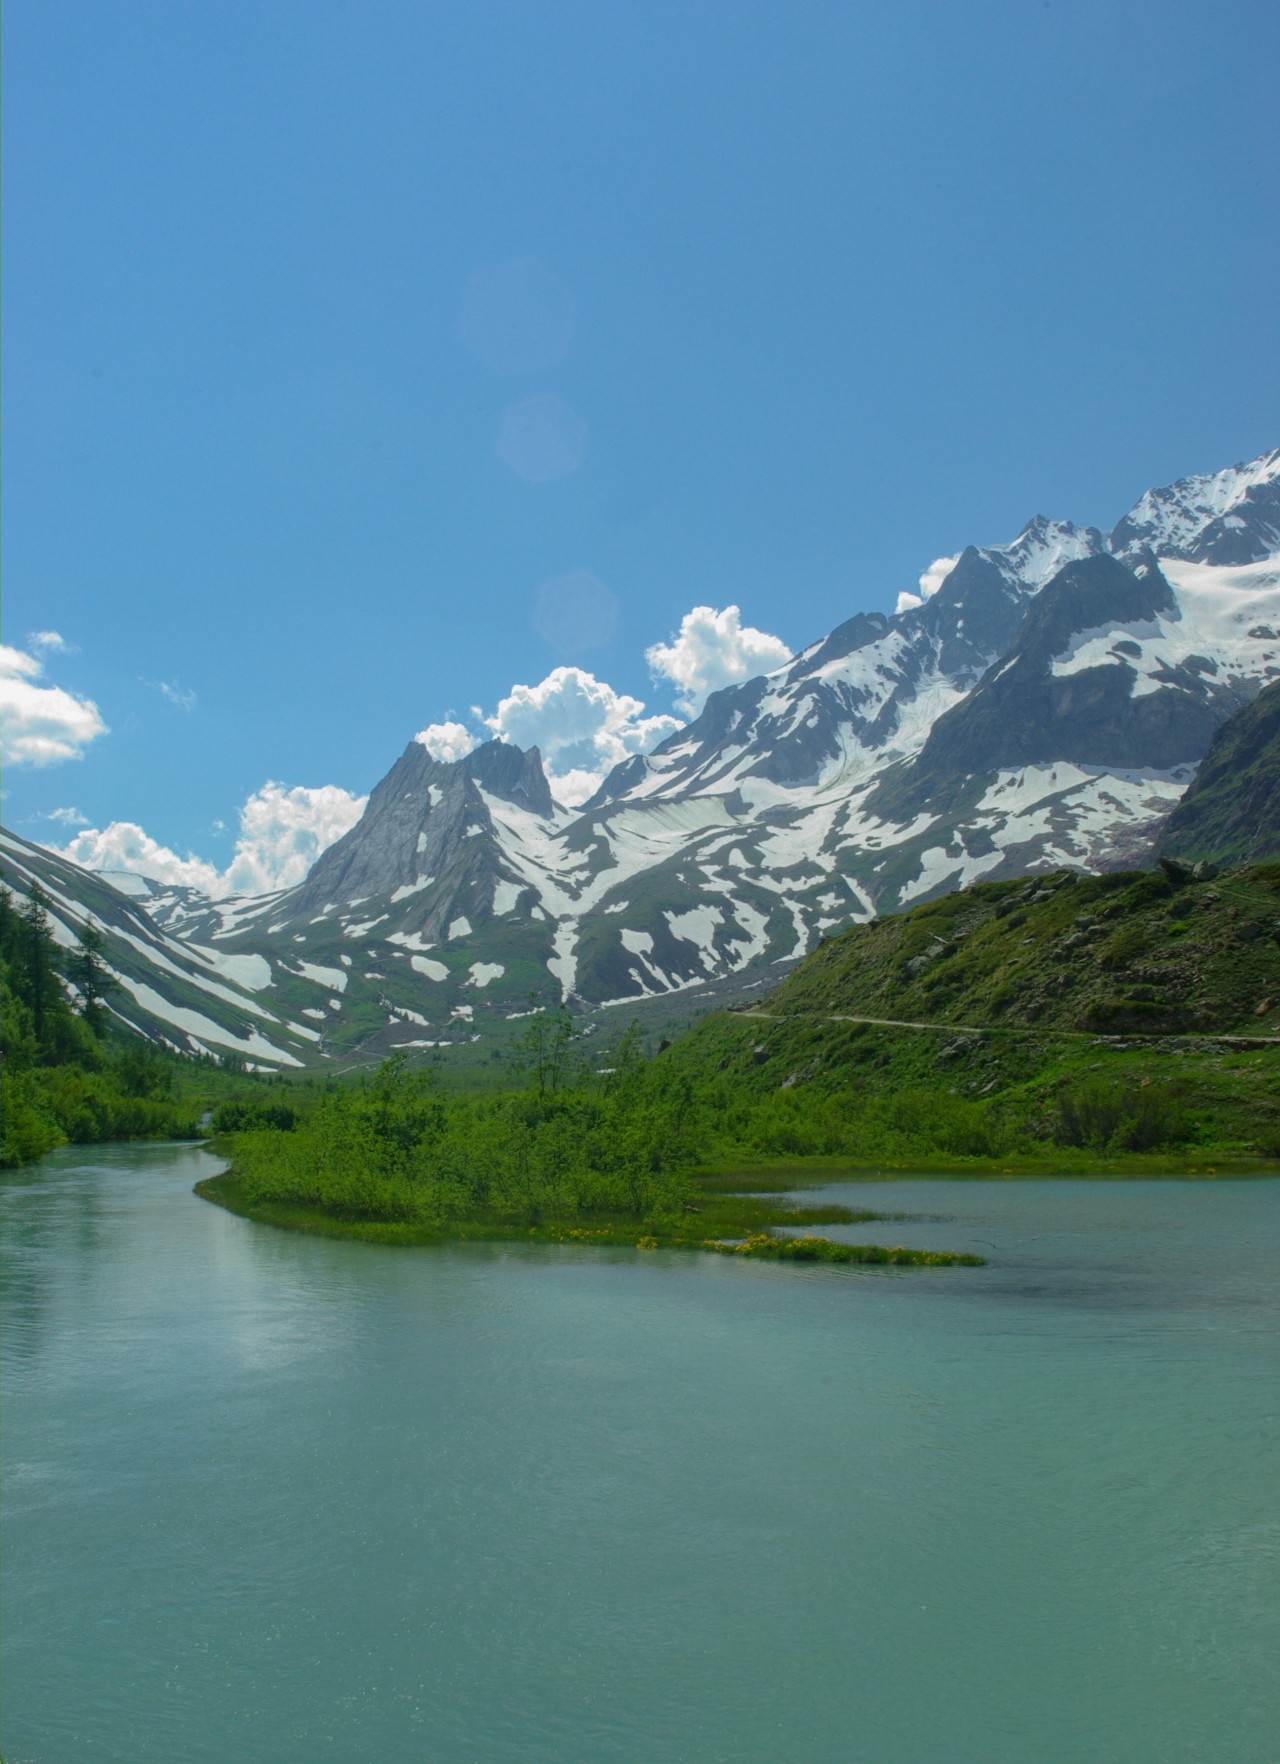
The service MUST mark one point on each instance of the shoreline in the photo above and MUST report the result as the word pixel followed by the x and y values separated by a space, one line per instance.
pixel 738 1225
pixel 765 1175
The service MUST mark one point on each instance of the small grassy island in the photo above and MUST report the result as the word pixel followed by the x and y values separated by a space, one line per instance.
pixel 611 1162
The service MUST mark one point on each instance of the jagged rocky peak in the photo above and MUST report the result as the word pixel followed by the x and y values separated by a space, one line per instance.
pixel 1087 595
pixel 505 770
pixel 417 818
pixel 1228 517
pixel 973 614
pixel 1065 690
pixel 1042 548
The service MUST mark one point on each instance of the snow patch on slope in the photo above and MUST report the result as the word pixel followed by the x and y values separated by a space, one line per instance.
pixel 251 971
pixel 1225 625
pixel 432 970
pixel 197 1024
pixel 334 979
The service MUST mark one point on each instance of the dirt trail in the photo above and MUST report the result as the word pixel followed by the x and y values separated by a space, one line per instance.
pixel 1243 1041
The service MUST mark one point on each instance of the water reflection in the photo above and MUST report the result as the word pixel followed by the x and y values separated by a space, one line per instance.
pixel 279 1497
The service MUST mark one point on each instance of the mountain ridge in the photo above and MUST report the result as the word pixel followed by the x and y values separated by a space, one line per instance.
pixel 1045 707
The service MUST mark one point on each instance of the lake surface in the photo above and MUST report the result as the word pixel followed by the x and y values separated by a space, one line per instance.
pixel 281 1499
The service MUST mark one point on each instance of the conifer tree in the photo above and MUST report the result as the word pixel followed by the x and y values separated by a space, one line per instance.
pixel 38 958
pixel 92 976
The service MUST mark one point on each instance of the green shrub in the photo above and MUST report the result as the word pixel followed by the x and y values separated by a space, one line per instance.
pixel 397 1150
pixel 247 1114
pixel 1104 1116
pixel 1121 949
pixel 28 1132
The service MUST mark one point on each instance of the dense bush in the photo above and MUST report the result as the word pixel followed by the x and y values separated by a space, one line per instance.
pixel 1101 1115
pixel 396 1149
pixel 246 1114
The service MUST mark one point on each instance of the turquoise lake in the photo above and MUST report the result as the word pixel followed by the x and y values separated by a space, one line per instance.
pixel 279 1499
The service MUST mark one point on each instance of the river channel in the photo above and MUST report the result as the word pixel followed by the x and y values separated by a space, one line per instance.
pixel 282 1499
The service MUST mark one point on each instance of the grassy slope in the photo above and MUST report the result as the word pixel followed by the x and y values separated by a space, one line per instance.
pixel 1232 810
pixel 1126 979
pixel 1124 953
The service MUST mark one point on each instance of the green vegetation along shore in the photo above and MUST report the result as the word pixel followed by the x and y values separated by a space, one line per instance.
pixel 607 1158
pixel 1064 1025
pixel 960 1037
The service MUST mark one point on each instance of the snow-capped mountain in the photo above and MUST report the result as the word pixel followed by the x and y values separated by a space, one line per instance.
pixel 1046 705
pixel 864 696
pixel 1228 517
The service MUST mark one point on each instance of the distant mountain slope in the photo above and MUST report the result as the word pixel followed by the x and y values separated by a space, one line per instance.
pixel 192 998
pixel 1045 707
pixel 1231 813
pixel 863 696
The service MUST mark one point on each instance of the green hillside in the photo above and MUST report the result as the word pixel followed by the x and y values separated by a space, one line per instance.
pixel 1126 953
pixel 1231 813
pixel 1057 1019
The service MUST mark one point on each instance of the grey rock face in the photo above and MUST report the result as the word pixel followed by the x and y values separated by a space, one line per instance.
pixel 1022 714
pixel 419 822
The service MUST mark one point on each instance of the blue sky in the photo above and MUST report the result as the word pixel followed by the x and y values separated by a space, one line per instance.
pixel 363 363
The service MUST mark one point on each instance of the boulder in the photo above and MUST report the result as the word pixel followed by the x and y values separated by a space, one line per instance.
pixel 1176 870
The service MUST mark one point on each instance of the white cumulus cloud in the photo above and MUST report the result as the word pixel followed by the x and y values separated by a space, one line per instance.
pixel 575 786
pixel 124 845
pixel 446 741
pixel 282 833
pixel 47 640
pixel 581 725
pixel 713 649
pixel 930 582
pixel 40 725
